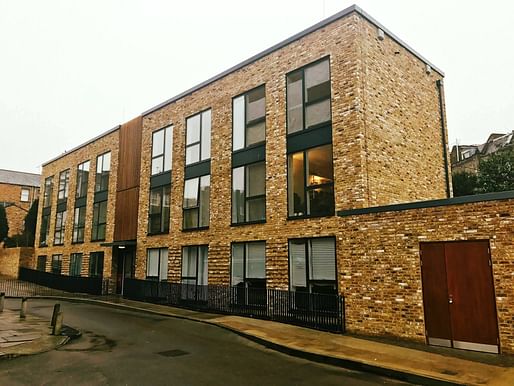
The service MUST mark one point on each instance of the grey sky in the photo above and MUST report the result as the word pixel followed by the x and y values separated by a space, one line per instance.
pixel 70 70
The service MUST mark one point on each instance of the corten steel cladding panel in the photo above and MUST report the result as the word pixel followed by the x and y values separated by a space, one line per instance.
pixel 435 293
pixel 470 286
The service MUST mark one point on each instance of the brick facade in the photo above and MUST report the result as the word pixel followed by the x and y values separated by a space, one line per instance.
pixel 16 209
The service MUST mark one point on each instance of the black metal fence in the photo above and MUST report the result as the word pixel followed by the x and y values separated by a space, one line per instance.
pixel 318 311
pixel 72 284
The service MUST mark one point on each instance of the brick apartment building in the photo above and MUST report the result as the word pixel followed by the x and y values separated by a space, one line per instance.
pixel 287 171
pixel 18 190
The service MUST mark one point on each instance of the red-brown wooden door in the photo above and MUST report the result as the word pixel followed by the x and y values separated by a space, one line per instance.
pixel 458 295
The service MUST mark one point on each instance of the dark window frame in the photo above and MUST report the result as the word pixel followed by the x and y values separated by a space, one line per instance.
pixel 247 280
pixel 95 258
pixel 47 194
pixel 56 264
pixel 44 230
pixel 41 263
pixel 168 133
pixel 64 185
pixel 25 189
pixel 245 199
pixel 82 182
pixel 96 224
pixel 163 253
pixel 64 216
pixel 102 178
pixel 198 206
pixel 197 247
pixel 163 227
pixel 74 257
pixel 77 227
pixel 251 123
pixel 199 142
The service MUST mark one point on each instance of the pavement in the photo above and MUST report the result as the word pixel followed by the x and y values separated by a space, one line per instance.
pixel 415 363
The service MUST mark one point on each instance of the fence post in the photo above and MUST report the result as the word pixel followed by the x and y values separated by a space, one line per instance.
pixel 58 324
pixel 57 309
pixel 23 309
pixel 2 301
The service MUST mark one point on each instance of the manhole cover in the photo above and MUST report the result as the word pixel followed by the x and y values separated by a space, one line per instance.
pixel 173 353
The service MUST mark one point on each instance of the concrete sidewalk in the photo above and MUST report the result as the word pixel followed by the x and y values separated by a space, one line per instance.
pixel 415 365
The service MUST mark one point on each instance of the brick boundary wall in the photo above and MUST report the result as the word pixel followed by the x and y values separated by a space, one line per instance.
pixel 13 258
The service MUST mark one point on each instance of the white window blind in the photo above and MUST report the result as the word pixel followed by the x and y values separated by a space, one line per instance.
pixel 189 262
pixel 237 263
pixel 163 271
pixel 256 260
pixel 152 265
pixel 322 259
pixel 202 266
pixel 297 263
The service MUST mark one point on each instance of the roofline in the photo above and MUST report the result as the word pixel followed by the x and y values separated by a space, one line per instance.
pixel 82 145
pixel 17 171
pixel 345 12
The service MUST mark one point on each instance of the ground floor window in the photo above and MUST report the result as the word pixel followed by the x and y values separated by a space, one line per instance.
pixel 75 264
pixel 41 263
pixel 312 265
pixel 248 272
pixel 96 264
pixel 56 264
pixel 157 264
pixel 194 272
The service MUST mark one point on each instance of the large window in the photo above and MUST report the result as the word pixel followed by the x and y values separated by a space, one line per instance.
pixel 41 263
pixel 25 195
pixel 60 223
pixel 47 195
pixel 312 265
pixel 162 144
pixel 157 264
pixel 82 179
pixel 308 96
pixel 249 119
pixel 194 265
pixel 103 167
pixel 75 264
pixel 56 264
pixel 249 264
pixel 79 223
pixel 311 183
pixel 45 230
pixel 64 182
pixel 198 137
pixel 96 264
pixel 99 221
pixel 249 193
pixel 196 202
pixel 159 211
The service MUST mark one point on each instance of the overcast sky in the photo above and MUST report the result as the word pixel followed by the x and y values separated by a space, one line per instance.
pixel 70 70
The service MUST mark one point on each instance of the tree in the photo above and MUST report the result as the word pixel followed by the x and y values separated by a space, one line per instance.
pixel 4 226
pixel 464 184
pixel 30 223
pixel 496 172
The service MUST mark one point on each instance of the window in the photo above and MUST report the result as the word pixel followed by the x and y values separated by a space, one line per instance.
pixel 308 97
pixel 64 182
pixel 103 167
pixel 75 264
pixel 249 264
pixel 79 223
pixel 310 182
pixel 82 179
pixel 41 263
pixel 196 202
pixel 99 221
pixel 47 195
pixel 45 230
pixel 198 137
pixel 159 211
pixel 162 143
pixel 249 119
pixel 194 272
pixel 249 193
pixel 60 222
pixel 157 264
pixel 312 265
pixel 96 264
pixel 25 195
pixel 56 264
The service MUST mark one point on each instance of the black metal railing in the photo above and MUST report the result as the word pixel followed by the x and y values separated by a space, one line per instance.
pixel 71 284
pixel 318 311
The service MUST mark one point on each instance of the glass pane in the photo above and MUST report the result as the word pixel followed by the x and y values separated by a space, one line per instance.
pixel 206 135
pixel 255 133
pixel 191 193
pixel 255 104
pixel 190 218
pixel 237 264
pixel 298 274
pixel 202 266
pixel 322 259
pixel 317 113
pixel 238 123
pixel 107 162
pixel 155 201
pixel 256 260
pixel 205 189
pixel 189 258
pixel 163 269
pixel 158 143
pixel 168 148
pixel 166 209
pixel 193 129
pixel 238 191
pixel 157 165
pixel 321 201
pixel 101 232
pixel 256 209
pixel 152 263
pixel 294 102
pixel 103 212
pixel 256 179
pixel 320 166
pixel 192 154
pixel 296 188
pixel 317 81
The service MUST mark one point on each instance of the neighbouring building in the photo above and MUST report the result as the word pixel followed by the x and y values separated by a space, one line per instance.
pixel 466 158
pixel 319 165
pixel 18 190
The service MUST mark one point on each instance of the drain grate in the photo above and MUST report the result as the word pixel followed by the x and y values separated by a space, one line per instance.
pixel 173 353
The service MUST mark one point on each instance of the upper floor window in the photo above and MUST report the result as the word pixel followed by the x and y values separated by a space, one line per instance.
pixel 64 182
pixel 198 137
pixel 25 195
pixel 159 211
pixel 47 195
pixel 60 225
pixel 45 229
pixel 157 264
pixel 196 202
pixel 308 96
pixel 249 119
pixel 311 182
pixel 99 221
pixel 82 179
pixel 162 143
pixel 249 193
pixel 79 223
pixel 103 167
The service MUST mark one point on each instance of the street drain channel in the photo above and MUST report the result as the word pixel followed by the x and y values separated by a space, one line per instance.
pixel 173 353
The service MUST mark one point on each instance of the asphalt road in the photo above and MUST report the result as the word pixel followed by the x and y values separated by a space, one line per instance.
pixel 121 347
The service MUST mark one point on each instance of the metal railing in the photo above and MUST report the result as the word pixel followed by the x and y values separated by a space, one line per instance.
pixel 318 311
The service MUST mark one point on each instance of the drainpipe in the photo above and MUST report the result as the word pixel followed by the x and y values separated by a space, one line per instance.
pixel 439 83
